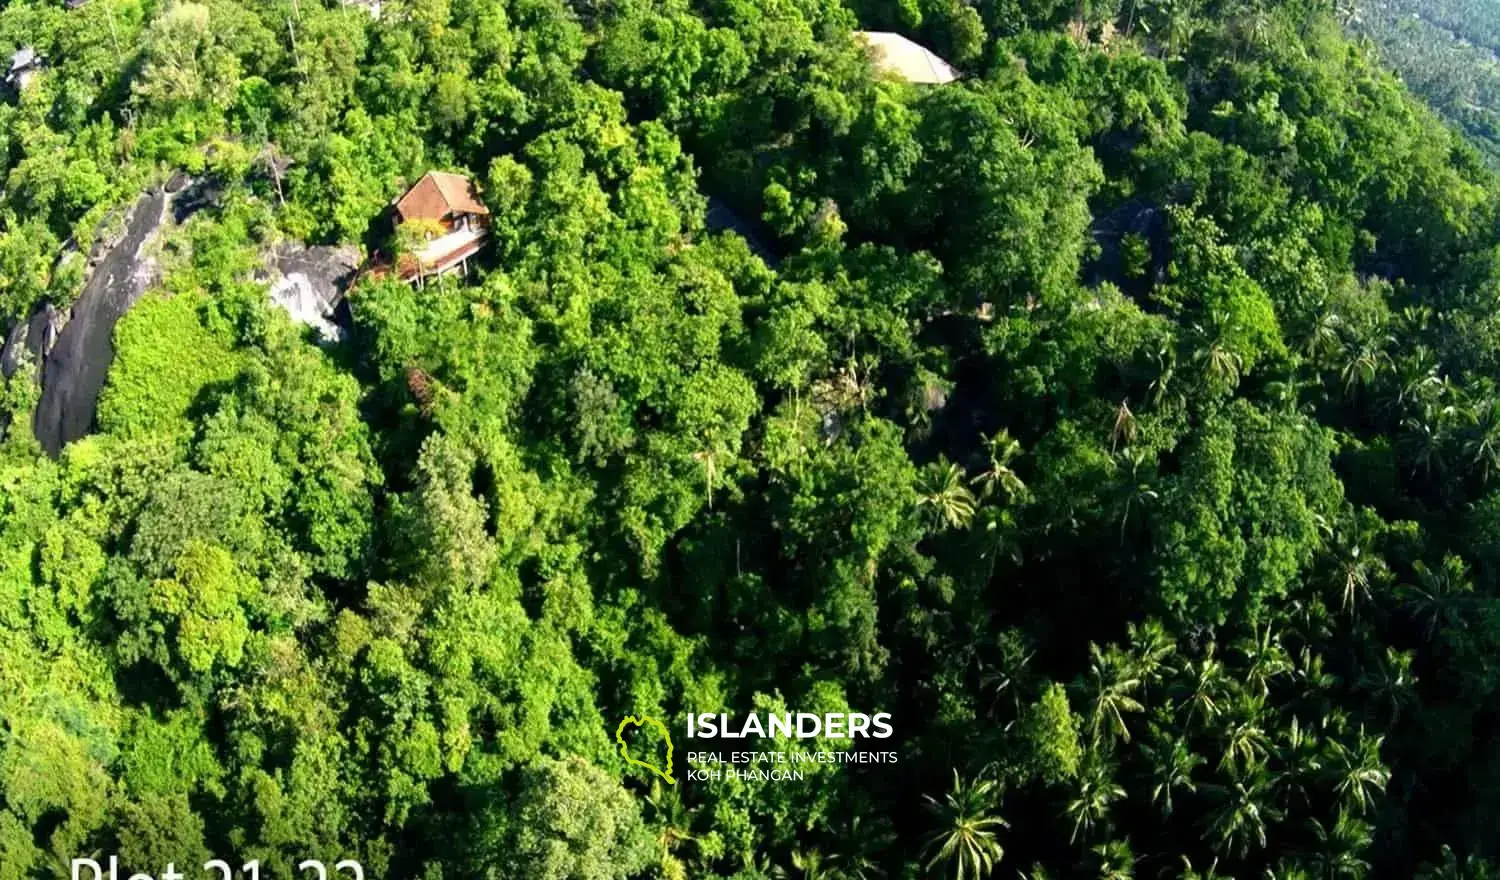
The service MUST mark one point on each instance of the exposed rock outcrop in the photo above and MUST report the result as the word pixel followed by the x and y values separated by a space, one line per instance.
pixel 74 349
pixel 308 282
pixel 1138 217
pixel 74 368
pixel 31 339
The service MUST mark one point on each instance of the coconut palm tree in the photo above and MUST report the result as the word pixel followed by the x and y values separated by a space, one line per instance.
pixel 1116 861
pixel 1391 683
pixel 999 477
pixel 1165 362
pixel 1363 361
pixel 1097 790
pixel 1416 384
pixel 1352 573
pixel 1267 660
pixel 1359 775
pixel 942 492
pixel 1109 688
pixel 1221 364
pixel 1482 444
pixel 1205 688
pixel 1135 492
pixel 1191 873
pixel 1322 336
pixel 1422 443
pixel 1245 741
pixel 1337 854
pixel 964 842
pixel 1239 822
pixel 1173 763
pixel 675 821
pixel 1300 755
pixel 860 846
pixel 813 865
pixel 1011 674
pixel 1151 649
pixel 1292 393
pixel 1440 595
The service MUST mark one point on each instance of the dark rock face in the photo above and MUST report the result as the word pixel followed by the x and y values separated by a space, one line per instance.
pixel 34 337
pixel 75 367
pixel 721 218
pixel 75 350
pixel 1136 217
pixel 308 282
pixel 191 196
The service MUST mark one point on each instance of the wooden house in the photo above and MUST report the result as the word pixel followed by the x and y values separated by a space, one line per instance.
pixel 461 224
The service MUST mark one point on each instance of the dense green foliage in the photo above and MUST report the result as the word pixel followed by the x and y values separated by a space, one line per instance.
pixel 1121 418
pixel 1446 53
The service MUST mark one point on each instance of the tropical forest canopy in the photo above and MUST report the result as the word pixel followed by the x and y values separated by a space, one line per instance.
pixel 1445 51
pixel 1121 418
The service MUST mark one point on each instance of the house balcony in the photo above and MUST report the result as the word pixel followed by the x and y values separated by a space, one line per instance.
pixel 443 254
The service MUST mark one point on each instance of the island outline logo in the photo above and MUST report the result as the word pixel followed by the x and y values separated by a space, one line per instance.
pixel 640 721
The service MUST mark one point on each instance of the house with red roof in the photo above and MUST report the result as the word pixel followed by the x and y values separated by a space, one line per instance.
pixel 460 225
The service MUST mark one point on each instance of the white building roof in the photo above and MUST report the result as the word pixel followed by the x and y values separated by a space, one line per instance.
pixel 895 54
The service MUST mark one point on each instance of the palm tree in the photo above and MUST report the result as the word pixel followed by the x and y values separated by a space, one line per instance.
pixel 1268 660
pixel 1151 649
pixel 999 536
pixel 1116 861
pixel 1291 393
pixel 860 846
pixel 1003 449
pixel 1337 854
pixel 1221 364
pixel 1482 447
pixel 1288 869
pixel 676 822
pixel 1239 822
pixel 1245 742
pixel 1391 683
pixel 1165 360
pixel 1135 492
pixel 1313 679
pixel 760 867
pixel 1301 759
pixel 1190 873
pixel 1323 335
pixel 1352 574
pixel 1173 763
pixel 813 865
pixel 965 839
pixel 1254 22
pixel 1110 686
pixel 1422 444
pixel 1358 772
pixel 1096 791
pixel 1207 686
pixel 1453 867
pixel 941 489
pixel 1179 28
pixel 1363 362
pixel 1440 596
pixel 1417 383
pixel 1011 675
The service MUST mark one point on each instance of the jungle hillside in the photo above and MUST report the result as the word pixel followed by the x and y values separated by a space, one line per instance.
pixel 1120 416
